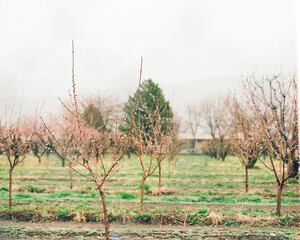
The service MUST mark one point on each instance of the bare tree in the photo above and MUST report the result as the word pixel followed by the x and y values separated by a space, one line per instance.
pixel 244 136
pixel 100 172
pixel 66 143
pixel 216 118
pixel 152 145
pixel 37 147
pixel 176 145
pixel 275 107
pixel 15 140
pixel 193 119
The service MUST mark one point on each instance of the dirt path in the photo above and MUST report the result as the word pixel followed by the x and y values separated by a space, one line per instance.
pixel 67 230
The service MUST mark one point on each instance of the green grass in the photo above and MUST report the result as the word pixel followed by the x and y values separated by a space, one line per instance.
pixel 126 196
pixel 195 181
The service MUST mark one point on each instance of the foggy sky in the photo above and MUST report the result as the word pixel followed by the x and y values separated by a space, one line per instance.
pixel 193 49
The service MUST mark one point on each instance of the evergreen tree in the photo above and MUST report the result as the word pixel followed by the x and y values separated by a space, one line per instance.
pixel 151 98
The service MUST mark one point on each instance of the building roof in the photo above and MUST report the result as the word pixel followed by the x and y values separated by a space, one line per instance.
pixel 189 136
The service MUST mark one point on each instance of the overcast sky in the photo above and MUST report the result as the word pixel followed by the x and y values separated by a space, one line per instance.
pixel 196 49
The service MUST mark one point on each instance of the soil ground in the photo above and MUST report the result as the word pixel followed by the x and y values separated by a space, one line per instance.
pixel 66 230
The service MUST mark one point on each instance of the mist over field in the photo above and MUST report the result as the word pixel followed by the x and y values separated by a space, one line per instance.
pixel 194 50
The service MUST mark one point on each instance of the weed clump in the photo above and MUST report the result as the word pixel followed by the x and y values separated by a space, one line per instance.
pixel 253 198
pixel 198 216
pixel 23 195
pixel 63 214
pixel 126 196
pixel 62 194
pixel 143 217
pixel 33 189
pixel 203 198
pixel 147 188
pixel 4 189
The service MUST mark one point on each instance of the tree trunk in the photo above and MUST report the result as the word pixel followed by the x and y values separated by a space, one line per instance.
pixel 169 169
pixel 106 222
pixel 294 168
pixel 40 158
pixel 63 162
pixel 194 144
pixel 71 178
pixel 246 180
pixel 9 188
pixel 252 161
pixel 279 193
pixel 159 177
pixel 142 194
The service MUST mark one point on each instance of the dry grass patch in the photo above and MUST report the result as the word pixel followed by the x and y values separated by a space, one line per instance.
pixel 79 217
pixel 215 218
pixel 163 191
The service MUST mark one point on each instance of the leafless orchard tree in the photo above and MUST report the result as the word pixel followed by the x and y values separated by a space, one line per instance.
pixel 153 145
pixel 273 100
pixel 194 115
pixel 244 136
pixel 175 146
pixel 99 172
pixel 66 141
pixel 37 147
pixel 216 118
pixel 15 139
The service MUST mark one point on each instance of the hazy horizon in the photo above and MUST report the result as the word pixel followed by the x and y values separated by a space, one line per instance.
pixel 193 49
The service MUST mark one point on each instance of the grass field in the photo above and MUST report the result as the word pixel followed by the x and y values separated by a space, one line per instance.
pixel 203 198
